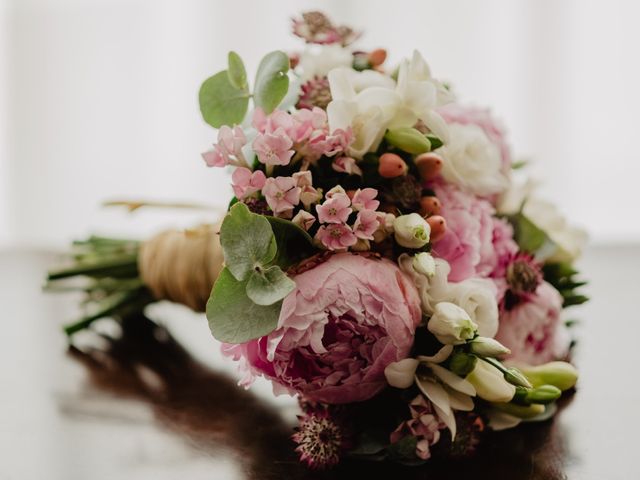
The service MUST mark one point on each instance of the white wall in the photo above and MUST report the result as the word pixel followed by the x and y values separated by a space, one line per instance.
pixel 100 97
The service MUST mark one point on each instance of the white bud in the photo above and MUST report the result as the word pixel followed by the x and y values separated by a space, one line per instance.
pixel 490 384
pixel 424 264
pixel 411 231
pixel 451 324
pixel 488 347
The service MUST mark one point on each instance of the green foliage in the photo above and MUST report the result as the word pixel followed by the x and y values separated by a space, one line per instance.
pixel 266 287
pixel 404 449
pixel 221 103
pixel 233 317
pixel 272 82
pixel 435 141
pixel 236 71
pixel 563 277
pixel 408 139
pixel 528 236
pixel 294 243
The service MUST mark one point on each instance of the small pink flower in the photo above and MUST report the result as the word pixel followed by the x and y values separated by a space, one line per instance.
pixel 281 194
pixel 245 183
pixel 338 141
pixel 304 219
pixel 309 196
pixel 216 157
pixel 424 425
pixel 346 165
pixel 308 122
pixel 366 224
pixel 365 199
pixel 232 139
pixel 336 236
pixel 273 148
pixel 335 210
pixel 279 119
pixel 303 179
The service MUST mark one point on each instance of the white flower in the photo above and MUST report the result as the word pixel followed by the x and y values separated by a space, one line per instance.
pixel 472 161
pixel 432 289
pixel 488 347
pixel 370 103
pixel 477 296
pixel 490 384
pixel 385 227
pixel 319 60
pixel 569 241
pixel 424 264
pixel 451 324
pixel 411 231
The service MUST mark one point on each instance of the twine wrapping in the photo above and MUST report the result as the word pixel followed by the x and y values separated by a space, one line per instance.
pixel 182 265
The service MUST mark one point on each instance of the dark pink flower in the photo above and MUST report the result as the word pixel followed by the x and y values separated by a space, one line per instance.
pixel 348 318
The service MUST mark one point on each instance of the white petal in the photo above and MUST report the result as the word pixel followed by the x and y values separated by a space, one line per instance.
pixel 453 380
pixel 340 84
pixel 434 392
pixel 459 401
pixel 439 357
pixel 401 374
pixel 436 124
pixel 449 420
pixel 501 421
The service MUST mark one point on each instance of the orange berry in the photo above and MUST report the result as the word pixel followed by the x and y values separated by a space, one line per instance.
pixel 429 165
pixel 438 227
pixel 377 57
pixel 391 166
pixel 429 206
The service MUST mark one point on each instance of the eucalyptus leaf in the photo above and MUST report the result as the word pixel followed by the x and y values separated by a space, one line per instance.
pixel 272 82
pixel 236 72
pixel 294 243
pixel 221 103
pixel 247 241
pixel 528 236
pixel 268 286
pixel 233 317
pixel 408 139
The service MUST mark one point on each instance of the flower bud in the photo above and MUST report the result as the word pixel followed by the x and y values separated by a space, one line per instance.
pixel 451 324
pixel 515 377
pixel 408 140
pixel 304 219
pixel 377 57
pixel 490 384
pixel 411 231
pixel 401 374
pixel 429 206
pixel 488 347
pixel 544 394
pixel 429 165
pixel 521 411
pixel 391 166
pixel 438 227
pixel 559 374
pixel 462 364
pixel 424 264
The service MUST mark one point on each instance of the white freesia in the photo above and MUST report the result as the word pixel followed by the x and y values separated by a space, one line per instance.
pixel 370 103
pixel 472 161
pixel 319 60
pixel 411 231
pixel 488 347
pixel 477 296
pixel 432 289
pixel 451 325
pixel 569 241
pixel 490 383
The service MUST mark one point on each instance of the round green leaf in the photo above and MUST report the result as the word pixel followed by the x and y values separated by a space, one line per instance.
pixel 233 317
pixel 237 73
pixel 247 241
pixel 294 243
pixel 272 82
pixel 266 287
pixel 221 103
pixel 409 140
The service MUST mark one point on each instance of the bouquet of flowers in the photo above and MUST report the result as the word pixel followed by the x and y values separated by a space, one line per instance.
pixel 382 260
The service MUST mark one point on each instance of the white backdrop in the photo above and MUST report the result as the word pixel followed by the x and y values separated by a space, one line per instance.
pixel 98 98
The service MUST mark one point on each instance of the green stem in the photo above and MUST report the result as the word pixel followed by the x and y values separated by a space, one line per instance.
pixel 130 261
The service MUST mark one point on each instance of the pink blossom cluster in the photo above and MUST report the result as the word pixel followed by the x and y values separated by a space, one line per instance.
pixel 305 133
pixel 228 150
pixel 334 213
pixel 424 425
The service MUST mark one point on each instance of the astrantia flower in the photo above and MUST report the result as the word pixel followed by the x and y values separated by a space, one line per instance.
pixel 281 193
pixel 523 275
pixel 315 93
pixel 336 236
pixel 335 209
pixel 533 329
pixel 320 439
pixel 347 319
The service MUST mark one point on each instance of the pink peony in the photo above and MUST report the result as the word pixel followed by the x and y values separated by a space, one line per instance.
pixel 347 319
pixel 456 113
pixel 533 329
pixel 475 242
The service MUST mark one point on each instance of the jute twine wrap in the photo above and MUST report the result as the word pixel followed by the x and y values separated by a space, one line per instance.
pixel 182 265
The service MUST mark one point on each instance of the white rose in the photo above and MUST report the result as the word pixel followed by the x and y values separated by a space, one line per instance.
pixel 451 324
pixel 477 296
pixel 569 241
pixel 472 161
pixel 411 231
pixel 319 60
pixel 490 384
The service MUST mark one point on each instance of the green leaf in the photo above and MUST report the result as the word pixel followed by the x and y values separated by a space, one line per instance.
pixel 294 243
pixel 268 286
pixel 404 449
pixel 408 139
pixel 236 72
pixel 272 82
pixel 221 103
pixel 233 317
pixel 435 141
pixel 528 236
pixel 247 241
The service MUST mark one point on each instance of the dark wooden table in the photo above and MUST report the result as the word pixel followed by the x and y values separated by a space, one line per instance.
pixel 160 405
